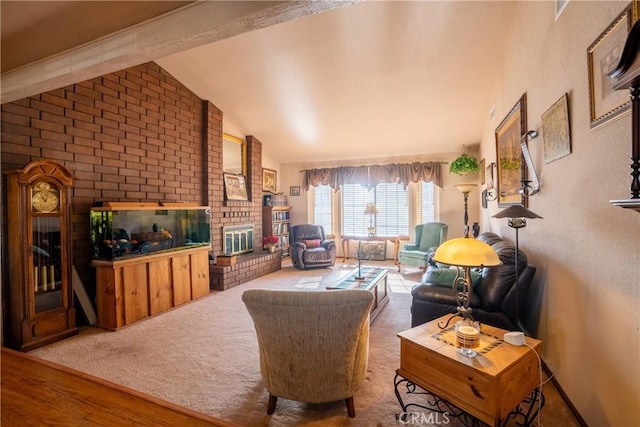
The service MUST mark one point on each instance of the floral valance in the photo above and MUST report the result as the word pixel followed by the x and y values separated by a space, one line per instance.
pixel 370 176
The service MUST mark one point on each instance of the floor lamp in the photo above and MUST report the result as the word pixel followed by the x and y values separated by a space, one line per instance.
pixel 517 219
pixel 465 189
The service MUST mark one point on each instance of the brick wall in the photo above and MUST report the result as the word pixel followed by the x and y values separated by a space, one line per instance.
pixel 134 135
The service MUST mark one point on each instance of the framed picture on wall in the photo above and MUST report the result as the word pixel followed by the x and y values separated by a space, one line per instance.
pixel 511 166
pixel 294 191
pixel 605 103
pixel 269 179
pixel 555 130
pixel 235 187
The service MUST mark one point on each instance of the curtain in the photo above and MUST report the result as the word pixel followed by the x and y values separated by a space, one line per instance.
pixel 370 176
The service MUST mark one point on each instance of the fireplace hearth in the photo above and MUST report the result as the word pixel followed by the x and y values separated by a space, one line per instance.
pixel 237 239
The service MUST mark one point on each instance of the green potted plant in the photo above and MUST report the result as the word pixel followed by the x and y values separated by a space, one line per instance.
pixel 464 164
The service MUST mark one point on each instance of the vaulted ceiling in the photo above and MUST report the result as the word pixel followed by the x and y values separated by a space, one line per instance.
pixel 372 79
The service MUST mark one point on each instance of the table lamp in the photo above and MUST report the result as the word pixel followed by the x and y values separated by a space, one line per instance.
pixel 517 219
pixel 371 210
pixel 465 253
pixel 465 189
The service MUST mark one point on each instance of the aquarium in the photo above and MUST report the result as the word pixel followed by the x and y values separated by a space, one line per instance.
pixel 123 231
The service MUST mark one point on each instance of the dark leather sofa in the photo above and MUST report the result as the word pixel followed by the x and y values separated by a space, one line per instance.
pixel 309 247
pixel 493 301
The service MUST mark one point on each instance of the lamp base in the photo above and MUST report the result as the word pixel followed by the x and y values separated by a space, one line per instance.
pixel 467 337
pixel 467 352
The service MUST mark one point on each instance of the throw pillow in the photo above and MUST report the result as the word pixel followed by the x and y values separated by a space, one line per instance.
pixel 310 244
pixel 446 276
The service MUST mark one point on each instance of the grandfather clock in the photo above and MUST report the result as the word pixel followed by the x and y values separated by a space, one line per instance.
pixel 39 252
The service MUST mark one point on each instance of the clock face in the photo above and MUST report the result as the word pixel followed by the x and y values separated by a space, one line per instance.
pixel 45 197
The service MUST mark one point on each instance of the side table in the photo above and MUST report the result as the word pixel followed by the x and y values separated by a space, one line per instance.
pixel 394 239
pixel 502 382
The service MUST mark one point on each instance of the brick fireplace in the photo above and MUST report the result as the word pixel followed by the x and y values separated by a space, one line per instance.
pixel 247 267
pixel 136 134
pixel 237 239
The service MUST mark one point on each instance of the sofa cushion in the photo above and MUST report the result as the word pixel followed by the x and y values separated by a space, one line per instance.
pixel 414 254
pixel 311 243
pixel 446 276
pixel 430 293
pixel 315 256
pixel 496 282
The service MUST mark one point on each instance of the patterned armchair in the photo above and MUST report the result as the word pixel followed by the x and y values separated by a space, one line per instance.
pixel 314 345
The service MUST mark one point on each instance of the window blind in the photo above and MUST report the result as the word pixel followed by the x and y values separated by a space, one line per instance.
pixel 322 208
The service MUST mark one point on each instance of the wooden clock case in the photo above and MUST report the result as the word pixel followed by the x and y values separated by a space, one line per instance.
pixel 40 260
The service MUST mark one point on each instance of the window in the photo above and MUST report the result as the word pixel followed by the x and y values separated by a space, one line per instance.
pixel 425 203
pixel 392 203
pixel 322 208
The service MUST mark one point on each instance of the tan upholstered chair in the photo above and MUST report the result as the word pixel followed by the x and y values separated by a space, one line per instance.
pixel 314 345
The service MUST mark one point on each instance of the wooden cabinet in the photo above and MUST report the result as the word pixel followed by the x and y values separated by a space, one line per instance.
pixel 489 387
pixel 149 257
pixel 136 288
pixel 40 293
pixel 276 221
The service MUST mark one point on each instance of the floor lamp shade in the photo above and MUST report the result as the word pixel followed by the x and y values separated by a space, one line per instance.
pixel 516 212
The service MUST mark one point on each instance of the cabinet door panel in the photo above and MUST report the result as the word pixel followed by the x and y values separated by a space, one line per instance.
pixel 199 275
pixel 49 325
pixel 181 280
pixel 108 298
pixel 136 295
pixel 160 286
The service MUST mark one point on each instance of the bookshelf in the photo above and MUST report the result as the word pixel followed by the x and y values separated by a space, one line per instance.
pixel 276 221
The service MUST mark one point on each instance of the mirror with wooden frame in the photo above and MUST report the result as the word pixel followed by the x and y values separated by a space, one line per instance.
pixel 234 155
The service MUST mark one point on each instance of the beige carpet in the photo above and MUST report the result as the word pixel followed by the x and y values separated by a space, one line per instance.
pixel 204 356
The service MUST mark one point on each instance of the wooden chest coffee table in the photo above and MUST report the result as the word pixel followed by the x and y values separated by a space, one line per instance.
pixel 375 281
pixel 489 387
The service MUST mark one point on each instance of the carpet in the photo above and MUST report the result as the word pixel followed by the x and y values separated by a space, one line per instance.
pixel 204 355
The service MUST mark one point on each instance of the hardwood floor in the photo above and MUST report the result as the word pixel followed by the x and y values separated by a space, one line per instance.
pixel 37 392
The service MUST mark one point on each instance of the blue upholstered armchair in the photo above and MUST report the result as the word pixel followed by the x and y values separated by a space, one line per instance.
pixel 309 249
pixel 428 237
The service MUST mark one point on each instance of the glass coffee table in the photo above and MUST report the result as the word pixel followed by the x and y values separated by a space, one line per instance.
pixel 373 280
